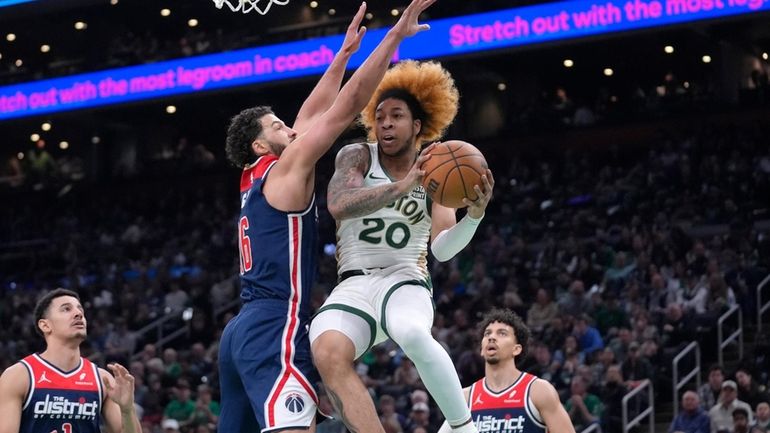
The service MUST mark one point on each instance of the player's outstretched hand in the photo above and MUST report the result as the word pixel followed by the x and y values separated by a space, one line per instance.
pixel 120 388
pixel 477 207
pixel 408 25
pixel 355 33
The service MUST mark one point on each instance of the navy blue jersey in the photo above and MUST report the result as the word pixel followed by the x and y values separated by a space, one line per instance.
pixel 68 402
pixel 508 411
pixel 277 248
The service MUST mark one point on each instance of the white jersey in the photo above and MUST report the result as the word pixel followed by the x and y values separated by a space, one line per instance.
pixel 397 234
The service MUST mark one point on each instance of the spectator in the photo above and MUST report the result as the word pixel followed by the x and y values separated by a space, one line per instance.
pixel 588 338
pixel 709 391
pixel 740 420
pixel 692 418
pixel 576 302
pixel 419 417
pixel 170 426
pixel 636 368
pixel 207 410
pixel 609 315
pixel 763 416
pixel 182 407
pixel 748 390
pixel 542 312
pixel 612 399
pixel 721 415
pixel 583 408
pixel 389 416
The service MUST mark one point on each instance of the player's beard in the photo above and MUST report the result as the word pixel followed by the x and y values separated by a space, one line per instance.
pixel 492 360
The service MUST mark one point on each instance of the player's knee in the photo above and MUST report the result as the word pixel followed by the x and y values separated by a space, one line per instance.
pixel 413 340
pixel 332 352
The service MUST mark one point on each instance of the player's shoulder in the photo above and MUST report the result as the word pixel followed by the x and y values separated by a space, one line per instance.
pixel 543 392
pixel 15 380
pixel 355 155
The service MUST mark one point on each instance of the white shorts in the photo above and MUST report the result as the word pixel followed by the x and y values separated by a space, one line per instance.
pixel 356 307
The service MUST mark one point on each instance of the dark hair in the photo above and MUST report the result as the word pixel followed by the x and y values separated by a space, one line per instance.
pixel 508 317
pixel 738 410
pixel 415 108
pixel 244 128
pixel 41 309
pixel 715 367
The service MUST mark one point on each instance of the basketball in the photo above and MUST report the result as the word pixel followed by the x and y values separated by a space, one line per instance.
pixel 452 171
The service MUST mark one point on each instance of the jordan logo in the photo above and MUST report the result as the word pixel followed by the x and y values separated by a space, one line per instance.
pixel 44 379
pixel 478 400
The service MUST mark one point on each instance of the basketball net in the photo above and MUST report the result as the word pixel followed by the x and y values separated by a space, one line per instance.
pixel 246 6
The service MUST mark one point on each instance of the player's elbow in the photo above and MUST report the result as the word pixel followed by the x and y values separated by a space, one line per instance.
pixel 440 255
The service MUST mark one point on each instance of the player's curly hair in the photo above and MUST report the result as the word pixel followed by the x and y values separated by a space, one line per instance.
pixel 428 90
pixel 244 128
pixel 508 317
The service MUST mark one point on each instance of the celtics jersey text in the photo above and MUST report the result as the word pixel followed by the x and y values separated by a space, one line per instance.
pixel 397 234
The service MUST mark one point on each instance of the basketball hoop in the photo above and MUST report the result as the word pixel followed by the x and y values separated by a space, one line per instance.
pixel 247 6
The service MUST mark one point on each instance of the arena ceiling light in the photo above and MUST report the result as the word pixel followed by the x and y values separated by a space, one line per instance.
pixel 608 72
pixel 706 59
pixel 10 37
pixel 113 2
pixel 171 109
pixel 45 48
pixel 369 15
pixel 64 145
pixel 501 86
pixel 568 63
pixel 96 139
pixel 20 155
pixel 80 25
pixel 18 63
pixel 668 49
pixel 192 22
pixel 165 12
pixel 394 12
pixel 34 137
pixel 764 56
pixel 332 11
pixel 46 126
pixel 313 4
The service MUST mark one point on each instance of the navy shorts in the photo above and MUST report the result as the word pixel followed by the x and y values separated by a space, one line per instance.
pixel 266 372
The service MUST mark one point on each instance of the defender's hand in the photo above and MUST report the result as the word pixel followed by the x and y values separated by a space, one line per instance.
pixel 408 24
pixel 355 33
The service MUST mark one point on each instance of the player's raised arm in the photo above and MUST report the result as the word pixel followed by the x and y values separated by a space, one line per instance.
pixel 300 157
pixel 327 88
pixel 118 411
pixel 14 384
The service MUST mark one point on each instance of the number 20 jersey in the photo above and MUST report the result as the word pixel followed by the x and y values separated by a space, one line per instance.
pixel 397 234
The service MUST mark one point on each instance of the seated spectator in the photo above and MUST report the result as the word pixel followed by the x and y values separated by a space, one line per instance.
pixel 576 302
pixel 692 418
pixel 610 315
pixel 588 338
pixel 709 391
pixel 612 399
pixel 748 390
pixel 763 416
pixel 542 312
pixel 419 417
pixel 388 415
pixel 740 421
pixel 170 426
pixel 721 414
pixel 206 409
pixel 678 330
pixel 636 367
pixel 583 408
pixel 181 408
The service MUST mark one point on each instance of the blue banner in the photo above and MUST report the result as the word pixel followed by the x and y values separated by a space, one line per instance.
pixel 447 37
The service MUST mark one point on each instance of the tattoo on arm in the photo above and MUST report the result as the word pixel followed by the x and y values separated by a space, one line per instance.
pixel 347 196
pixel 337 403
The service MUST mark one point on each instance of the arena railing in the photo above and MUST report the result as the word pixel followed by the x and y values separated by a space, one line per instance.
pixel 648 412
pixel 761 308
pixel 158 326
pixel 736 335
pixel 593 428
pixel 679 384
